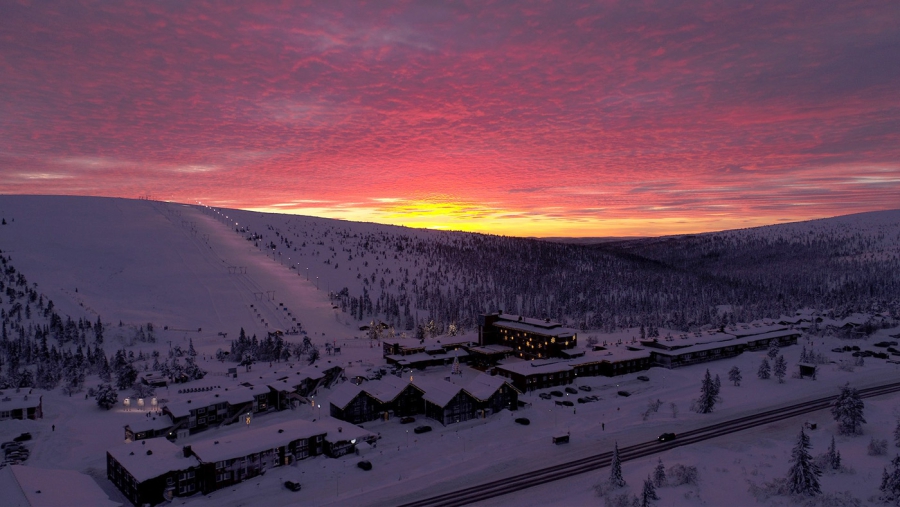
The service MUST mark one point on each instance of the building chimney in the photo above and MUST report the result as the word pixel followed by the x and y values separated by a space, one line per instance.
pixel 187 451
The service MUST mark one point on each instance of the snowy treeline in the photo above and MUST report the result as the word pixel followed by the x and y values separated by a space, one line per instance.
pixel 409 277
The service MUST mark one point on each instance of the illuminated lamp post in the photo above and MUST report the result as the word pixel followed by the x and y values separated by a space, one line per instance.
pixel 127 402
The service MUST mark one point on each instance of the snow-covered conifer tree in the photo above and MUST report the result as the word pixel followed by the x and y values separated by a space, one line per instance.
pixel 780 369
pixel 107 397
pixel 803 476
pixel 890 483
pixel 897 434
pixel 765 371
pixel 773 350
pixel 708 395
pixel 847 410
pixel 659 474
pixel 834 456
pixel 734 375
pixel 648 495
pixel 615 470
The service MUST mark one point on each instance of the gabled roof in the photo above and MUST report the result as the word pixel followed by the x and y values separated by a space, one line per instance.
pixel 344 394
pixel 439 392
pixel 484 386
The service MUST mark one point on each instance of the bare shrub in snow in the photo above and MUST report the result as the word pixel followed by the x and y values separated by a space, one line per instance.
pixel 682 474
pixel 877 447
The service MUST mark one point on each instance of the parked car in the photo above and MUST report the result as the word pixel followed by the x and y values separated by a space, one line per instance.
pixel 585 388
pixel 567 403
pixel 583 400
pixel 23 437
pixel 665 437
pixel 524 421
pixel 422 429
pixel 571 390
pixel 293 486
pixel 643 378
pixel 365 465
pixel 558 394
pixel 624 393
pixel 545 396
pixel 407 420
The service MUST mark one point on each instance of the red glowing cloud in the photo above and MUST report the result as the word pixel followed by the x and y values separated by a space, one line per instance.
pixel 599 118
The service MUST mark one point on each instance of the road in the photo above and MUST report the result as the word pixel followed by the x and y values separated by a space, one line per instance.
pixel 549 474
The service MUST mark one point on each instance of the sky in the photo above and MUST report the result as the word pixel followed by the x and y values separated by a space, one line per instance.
pixel 508 117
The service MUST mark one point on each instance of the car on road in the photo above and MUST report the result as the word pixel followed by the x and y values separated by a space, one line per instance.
pixel 407 420
pixel 524 421
pixel 571 390
pixel 585 388
pixel 293 486
pixel 23 437
pixel 365 465
pixel 665 437
pixel 558 394
pixel 422 429
pixel 643 378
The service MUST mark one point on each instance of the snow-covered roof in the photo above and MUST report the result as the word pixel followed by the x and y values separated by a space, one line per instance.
pixel 536 327
pixel 163 458
pixel 424 356
pixel 536 367
pixel 18 401
pixel 491 349
pixel 439 392
pixel 233 395
pixel 342 430
pixel 26 486
pixel 387 388
pixel 753 329
pixel 484 386
pixel 148 424
pixel 344 394
pixel 244 443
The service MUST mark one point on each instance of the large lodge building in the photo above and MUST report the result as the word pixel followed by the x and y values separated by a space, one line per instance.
pixel 528 338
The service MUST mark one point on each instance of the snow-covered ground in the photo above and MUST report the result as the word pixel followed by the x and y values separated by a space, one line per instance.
pixel 180 268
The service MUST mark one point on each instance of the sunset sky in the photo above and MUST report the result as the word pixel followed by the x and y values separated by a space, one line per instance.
pixel 508 117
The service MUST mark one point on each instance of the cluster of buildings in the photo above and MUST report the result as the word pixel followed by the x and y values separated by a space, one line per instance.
pixel 440 400
pixel 155 470
pixel 620 358
pixel 196 409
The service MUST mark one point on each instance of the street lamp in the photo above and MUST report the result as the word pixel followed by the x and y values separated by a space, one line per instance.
pixel 317 283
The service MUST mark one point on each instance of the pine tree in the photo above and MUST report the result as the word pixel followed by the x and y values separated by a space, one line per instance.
pixel 648 495
pixel 803 357
pixel 709 394
pixel 734 375
pixel 834 456
pixel 847 410
pixel 765 371
pixel 773 350
pixel 615 470
pixel 659 474
pixel 107 397
pixel 780 369
pixel 803 476
pixel 897 434
pixel 890 483
pixel 125 376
